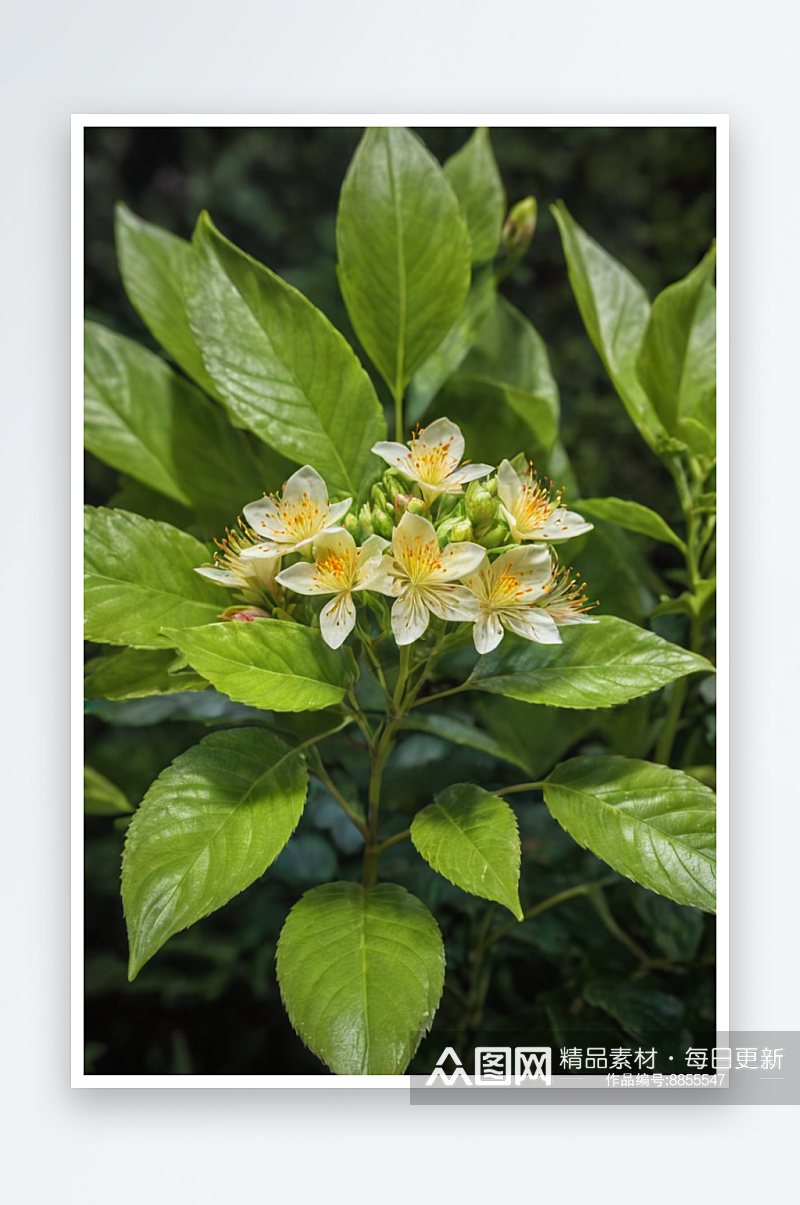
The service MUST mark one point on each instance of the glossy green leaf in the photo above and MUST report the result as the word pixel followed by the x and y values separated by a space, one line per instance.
pixel 632 516
pixel 137 674
pixel 101 797
pixel 471 837
pixel 677 362
pixel 280 365
pixel 504 395
pixel 275 665
pixel 597 665
pixel 615 312
pixel 476 181
pixel 209 826
pixel 404 252
pixel 153 264
pixel 139 577
pixel 361 975
pixel 145 420
pixel 653 824
pixel 443 362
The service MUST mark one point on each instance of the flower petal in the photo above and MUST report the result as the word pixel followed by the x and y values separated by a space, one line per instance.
pixel 509 485
pixel 303 579
pixel 487 633
pixel 531 563
pixel 563 524
pixel 451 602
pixel 397 455
pixel 264 517
pixel 410 617
pixel 306 483
pixel 468 472
pixel 381 579
pixel 534 624
pixel 337 620
pixel 458 560
pixel 439 432
pixel 335 542
pixel 337 511
pixel 266 549
pixel 223 577
pixel 373 546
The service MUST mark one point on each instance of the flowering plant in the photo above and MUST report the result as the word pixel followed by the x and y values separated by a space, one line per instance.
pixel 382 577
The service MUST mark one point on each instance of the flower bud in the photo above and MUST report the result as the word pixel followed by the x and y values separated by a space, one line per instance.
pixel 350 523
pixel 454 530
pixel 365 524
pixel 378 498
pixel 393 484
pixel 481 507
pixel 495 536
pixel 246 614
pixel 447 504
pixel 519 227
pixel 418 507
pixel 382 523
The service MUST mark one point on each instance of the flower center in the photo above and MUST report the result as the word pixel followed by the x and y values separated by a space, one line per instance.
pixel 534 504
pixel 336 572
pixel 565 595
pixel 302 519
pixel 508 591
pixel 432 464
pixel 420 559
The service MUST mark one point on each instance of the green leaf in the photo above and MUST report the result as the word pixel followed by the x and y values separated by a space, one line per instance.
pixel 145 420
pixel 136 674
pixel 476 181
pixel 404 252
pixel 632 516
pixel 101 797
pixel 642 1011
pixel 275 665
pixel 139 576
pixel 460 732
pixel 153 264
pixel 615 312
pixel 443 362
pixel 677 361
pixel 471 837
pixel 655 825
pixel 597 665
pixel 361 975
pixel 282 368
pixel 209 826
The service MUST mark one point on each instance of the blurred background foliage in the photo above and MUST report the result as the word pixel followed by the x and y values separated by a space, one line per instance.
pixel 613 962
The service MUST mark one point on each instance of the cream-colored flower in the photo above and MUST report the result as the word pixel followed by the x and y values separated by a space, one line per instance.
pixel 340 569
pixel 532 511
pixel 423 577
pixel 433 458
pixel 236 571
pixel 508 592
pixel 564 598
pixel 302 514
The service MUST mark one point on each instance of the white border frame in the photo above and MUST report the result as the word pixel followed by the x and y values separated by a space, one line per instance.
pixel 81 122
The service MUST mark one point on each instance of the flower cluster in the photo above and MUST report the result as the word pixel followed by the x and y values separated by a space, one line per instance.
pixel 481 555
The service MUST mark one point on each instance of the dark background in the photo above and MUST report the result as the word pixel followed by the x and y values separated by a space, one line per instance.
pixel 208 1003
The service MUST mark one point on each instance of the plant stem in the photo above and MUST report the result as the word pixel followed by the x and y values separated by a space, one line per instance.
pixel 443 694
pixel 395 840
pixel 522 786
pixel 322 774
pixel 552 901
pixel 601 904
pixel 398 414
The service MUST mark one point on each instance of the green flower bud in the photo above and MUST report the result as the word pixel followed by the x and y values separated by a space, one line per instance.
pixel 454 530
pixel 382 523
pixel 365 525
pixel 490 486
pixel 447 504
pixel 495 536
pixel 350 523
pixel 481 507
pixel 520 226
pixel 378 498
pixel 393 484
pixel 417 507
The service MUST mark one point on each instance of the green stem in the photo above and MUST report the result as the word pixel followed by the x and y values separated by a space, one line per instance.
pixel 395 840
pixel 601 904
pixel 522 786
pixel 360 718
pixel 322 774
pixel 552 901
pixel 402 676
pixel 443 694
pixel 399 430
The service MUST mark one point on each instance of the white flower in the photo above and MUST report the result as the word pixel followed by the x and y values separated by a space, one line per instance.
pixel 532 512
pixel 303 513
pixel 422 577
pixel 339 569
pixel 565 599
pixel 507 593
pixel 237 571
pixel 432 458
